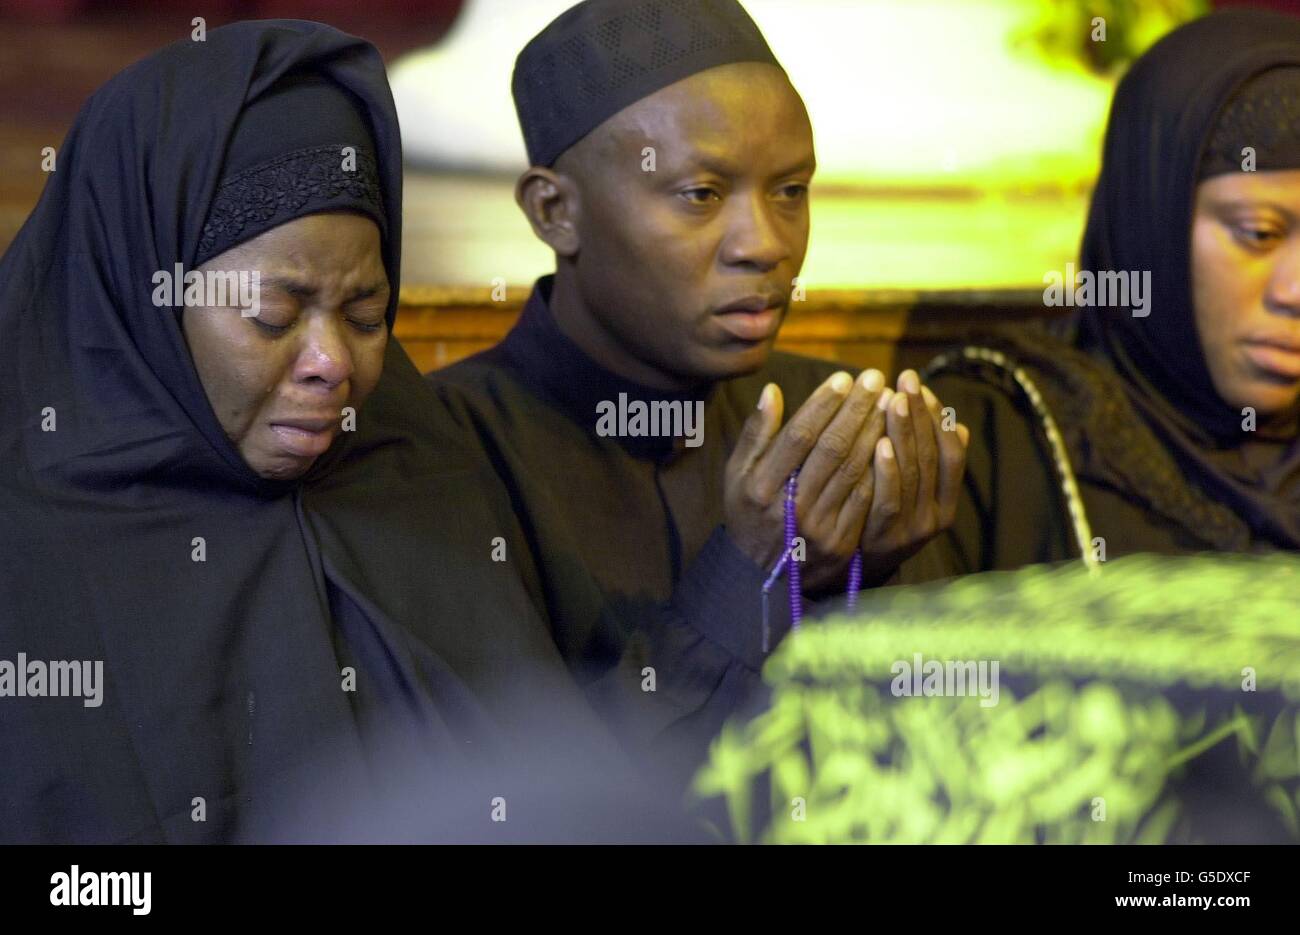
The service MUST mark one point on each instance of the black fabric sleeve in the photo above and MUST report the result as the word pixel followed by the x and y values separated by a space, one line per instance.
pixel 700 654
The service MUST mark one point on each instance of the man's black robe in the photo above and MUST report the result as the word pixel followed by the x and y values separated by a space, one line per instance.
pixel 625 535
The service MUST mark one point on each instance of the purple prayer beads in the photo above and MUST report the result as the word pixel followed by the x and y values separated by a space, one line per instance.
pixel 795 578
pixel 795 572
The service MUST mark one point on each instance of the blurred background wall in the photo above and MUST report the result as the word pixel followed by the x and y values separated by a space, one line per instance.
pixel 957 139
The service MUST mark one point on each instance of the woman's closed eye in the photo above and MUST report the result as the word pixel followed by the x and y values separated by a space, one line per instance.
pixel 273 327
pixel 1256 236
pixel 367 326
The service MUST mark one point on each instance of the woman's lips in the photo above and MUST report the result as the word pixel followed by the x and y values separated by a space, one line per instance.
pixel 303 441
pixel 1275 359
pixel 751 325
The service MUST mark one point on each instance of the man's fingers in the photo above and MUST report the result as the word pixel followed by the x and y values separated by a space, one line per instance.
pixel 952 458
pixel 856 507
pixel 886 500
pixel 757 430
pixel 835 446
pixel 899 424
pixel 927 447
pixel 792 444
pixel 845 497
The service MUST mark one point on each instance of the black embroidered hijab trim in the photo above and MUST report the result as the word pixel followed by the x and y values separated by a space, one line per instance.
pixel 306 181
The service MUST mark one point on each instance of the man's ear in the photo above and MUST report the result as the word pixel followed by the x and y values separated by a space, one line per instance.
pixel 550 202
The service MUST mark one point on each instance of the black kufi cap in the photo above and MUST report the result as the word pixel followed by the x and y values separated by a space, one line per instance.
pixel 603 55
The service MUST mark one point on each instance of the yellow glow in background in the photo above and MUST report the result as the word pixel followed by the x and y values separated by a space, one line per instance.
pixel 955 149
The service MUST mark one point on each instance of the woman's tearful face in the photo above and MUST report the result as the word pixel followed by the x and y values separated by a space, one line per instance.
pixel 279 381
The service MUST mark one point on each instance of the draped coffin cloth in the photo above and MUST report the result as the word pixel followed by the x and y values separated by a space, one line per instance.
pixel 1156 702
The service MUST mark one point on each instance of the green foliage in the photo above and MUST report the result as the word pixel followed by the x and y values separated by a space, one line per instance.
pixel 1066 28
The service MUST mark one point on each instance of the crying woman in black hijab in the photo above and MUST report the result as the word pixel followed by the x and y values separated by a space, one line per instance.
pixel 1170 424
pixel 215 572
pixel 298 224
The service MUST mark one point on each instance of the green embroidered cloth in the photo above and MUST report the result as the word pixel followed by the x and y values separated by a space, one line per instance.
pixel 1156 701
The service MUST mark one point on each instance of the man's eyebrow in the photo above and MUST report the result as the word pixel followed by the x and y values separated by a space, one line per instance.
pixel 721 166
pixel 711 163
pixel 807 164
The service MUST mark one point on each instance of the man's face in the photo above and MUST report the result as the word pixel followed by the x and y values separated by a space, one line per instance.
pixel 688 268
pixel 1246 285
pixel 278 382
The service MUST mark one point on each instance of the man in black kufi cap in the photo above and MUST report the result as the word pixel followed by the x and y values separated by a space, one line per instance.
pixel 635 410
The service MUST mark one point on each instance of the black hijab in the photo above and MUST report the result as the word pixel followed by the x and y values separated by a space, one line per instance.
pixel 1163 116
pixel 223 677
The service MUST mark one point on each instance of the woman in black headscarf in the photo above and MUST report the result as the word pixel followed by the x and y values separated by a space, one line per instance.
pixel 1174 427
pixel 219 517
